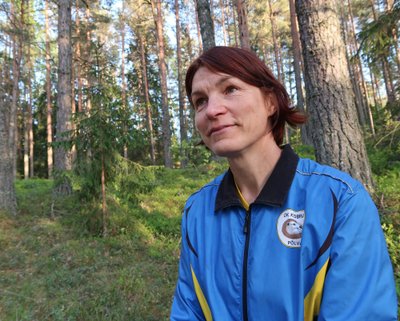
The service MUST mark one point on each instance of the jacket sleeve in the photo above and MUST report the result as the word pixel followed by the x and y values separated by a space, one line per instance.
pixel 185 304
pixel 359 284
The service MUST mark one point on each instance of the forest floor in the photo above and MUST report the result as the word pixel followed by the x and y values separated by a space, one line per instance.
pixel 54 266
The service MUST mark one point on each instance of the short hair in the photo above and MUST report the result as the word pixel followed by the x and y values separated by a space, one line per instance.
pixel 246 66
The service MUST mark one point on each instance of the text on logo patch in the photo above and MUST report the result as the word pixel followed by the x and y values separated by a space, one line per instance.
pixel 290 227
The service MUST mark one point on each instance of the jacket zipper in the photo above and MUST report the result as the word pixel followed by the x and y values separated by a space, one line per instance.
pixel 246 231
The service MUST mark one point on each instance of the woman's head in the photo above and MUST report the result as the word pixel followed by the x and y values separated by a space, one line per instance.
pixel 247 67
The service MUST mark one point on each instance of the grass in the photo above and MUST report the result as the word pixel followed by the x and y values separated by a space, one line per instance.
pixel 56 267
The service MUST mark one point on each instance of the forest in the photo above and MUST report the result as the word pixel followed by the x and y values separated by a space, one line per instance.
pixel 99 151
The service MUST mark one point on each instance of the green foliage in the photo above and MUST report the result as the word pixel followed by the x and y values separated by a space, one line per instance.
pixel 384 147
pixel 376 37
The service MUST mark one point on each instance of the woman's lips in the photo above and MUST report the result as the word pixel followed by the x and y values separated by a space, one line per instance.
pixel 218 129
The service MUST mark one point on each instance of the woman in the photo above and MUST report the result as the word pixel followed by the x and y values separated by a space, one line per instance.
pixel 275 237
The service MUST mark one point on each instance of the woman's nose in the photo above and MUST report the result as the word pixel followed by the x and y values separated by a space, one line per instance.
pixel 215 106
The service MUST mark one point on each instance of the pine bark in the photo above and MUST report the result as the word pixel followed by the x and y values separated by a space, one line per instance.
pixel 8 200
pixel 78 59
pixel 275 41
pixel 242 23
pixel 63 156
pixel 28 142
pixel 123 81
pixel 385 66
pixel 336 134
pixel 149 116
pixel 222 8
pixel 17 57
pixel 181 92
pixel 156 6
pixel 297 66
pixel 49 109
pixel 88 60
pixel 206 24
pixel 198 27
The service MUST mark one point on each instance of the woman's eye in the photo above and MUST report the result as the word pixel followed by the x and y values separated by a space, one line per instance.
pixel 199 102
pixel 230 89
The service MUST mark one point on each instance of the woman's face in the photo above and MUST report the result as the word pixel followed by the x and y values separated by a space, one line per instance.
pixel 231 115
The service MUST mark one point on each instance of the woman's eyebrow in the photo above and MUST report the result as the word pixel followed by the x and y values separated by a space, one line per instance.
pixel 217 84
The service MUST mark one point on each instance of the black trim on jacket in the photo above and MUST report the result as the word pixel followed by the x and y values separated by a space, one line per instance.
pixel 274 192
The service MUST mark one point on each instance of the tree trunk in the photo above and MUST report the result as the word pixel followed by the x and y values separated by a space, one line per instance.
pixel 123 81
pixel 384 64
pixel 89 60
pixel 356 68
pixel 156 6
pixel 275 42
pixel 63 155
pixel 8 200
pixel 235 28
pixel 78 58
pixel 103 195
pixel 189 50
pixel 26 136
pixel 28 142
pixel 297 63
pixel 360 73
pixel 206 24
pixel 149 116
pixel 242 22
pixel 49 123
pixel 336 133
pixel 198 27
pixel 17 56
pixel 182 107
pixel 222 8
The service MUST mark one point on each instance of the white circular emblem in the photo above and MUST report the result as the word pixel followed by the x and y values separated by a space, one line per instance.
pixel 290 227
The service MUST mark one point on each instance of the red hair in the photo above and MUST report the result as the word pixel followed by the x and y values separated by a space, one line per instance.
pixel 246 66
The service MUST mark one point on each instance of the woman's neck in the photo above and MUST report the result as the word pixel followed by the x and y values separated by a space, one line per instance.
pixel 251 172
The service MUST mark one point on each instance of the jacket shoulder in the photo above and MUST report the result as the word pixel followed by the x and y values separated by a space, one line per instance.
pixel 207 190
pixel 334 178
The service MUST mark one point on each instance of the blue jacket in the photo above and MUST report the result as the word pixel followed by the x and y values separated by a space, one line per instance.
pixel 310 247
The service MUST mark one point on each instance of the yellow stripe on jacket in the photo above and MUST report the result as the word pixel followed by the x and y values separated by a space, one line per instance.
pixel 312 301
pixel 201 298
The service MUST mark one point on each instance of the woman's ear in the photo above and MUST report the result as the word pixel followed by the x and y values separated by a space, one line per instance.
pixel 271 103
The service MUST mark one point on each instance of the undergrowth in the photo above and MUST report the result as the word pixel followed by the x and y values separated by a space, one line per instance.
pixel 54 264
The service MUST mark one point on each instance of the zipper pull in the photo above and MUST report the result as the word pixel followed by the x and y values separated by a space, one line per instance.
pixel 246 222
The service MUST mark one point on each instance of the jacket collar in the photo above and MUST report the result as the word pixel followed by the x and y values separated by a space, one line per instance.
pixel 275 190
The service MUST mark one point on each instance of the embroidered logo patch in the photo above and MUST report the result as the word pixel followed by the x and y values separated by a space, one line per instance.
pixel 290 227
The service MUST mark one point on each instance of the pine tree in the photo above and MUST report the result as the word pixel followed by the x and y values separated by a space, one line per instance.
pixel 330 99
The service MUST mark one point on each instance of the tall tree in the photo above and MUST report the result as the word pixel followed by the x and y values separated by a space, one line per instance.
pixel 336 135
pixel 8 201
pixel 222 9
pixel 149 115
pixel 206 24
pixel 157 12
pixel 275 41
pixel 242 22
pixel 49 109
pixel 123 81
pixel 17 41
pixel 354 71
pixel 63 156
pixel 181 93
pixel 297 66
pixel 359 70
